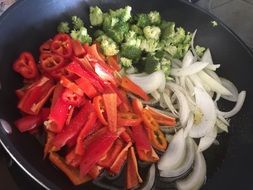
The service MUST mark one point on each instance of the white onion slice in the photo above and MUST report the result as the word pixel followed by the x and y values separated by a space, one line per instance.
pixel 151 82
pixel 169 104
pixel 206 141
pixel 175 153
pixel 206 105
pixel 189 125
pixel 196 179
pixel 221 125
pixel 150 179
pixel 213 67
pixel 188 59
pixel 196 81
pixel 156 95
pixel 186 165
pixel 196 57
pixel 213 84
pixel 189 70
pixel 232 88
pixel 207 57
pixel 237 107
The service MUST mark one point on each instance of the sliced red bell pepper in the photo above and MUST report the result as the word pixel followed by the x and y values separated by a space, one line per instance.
pixel 113 62
pixel 46 46
pixel 98 104
pixel 140 138
pixel 112 154
pixel 128 119
pixel 72 98
pixel 78 49
pixel 112 89
pixel 130 86
pixel 126 137
pixel 62 45
pixel 160 117
pixel 93 51
pixel 74 127
pixel 71 172
pixel 87 87
pixel 133 176
pixel 48 144
pixel 83 61
pixel 25 65
pixel 148 156
pixel 70 114
pixel 125 104
pixel 155 135
pixel 96 150
pixel 104 74
pixel 79 149
pixel 75 68
pixel 36 96
pixel 110 102
pixel 50 62
pixel 120 160
pixel 29 122
pixel 137 106
pixel 95 171
pixel 73 159
pixel 71 85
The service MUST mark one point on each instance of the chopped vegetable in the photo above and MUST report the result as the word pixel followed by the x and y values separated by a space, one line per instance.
pixel 63 27
pixel 96 16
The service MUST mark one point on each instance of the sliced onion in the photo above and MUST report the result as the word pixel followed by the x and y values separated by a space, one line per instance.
pixel 196 57
pixel 169 104
pixel 206 141
pixel 221 125
pixel 150 179
pixel 186 165
pixel 188 59
pixel 151 82
pixel 207 57
pixel 189 70
pixel 213 84
pixel 206 105
pixel 238 106
pixel 156 95
pixel 196 179
pixel 232 88
pixel 196 81
pixel 213 67
pixel 189 125
pixel 175 153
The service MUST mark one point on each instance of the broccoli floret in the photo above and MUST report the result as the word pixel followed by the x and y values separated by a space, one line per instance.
pixel 154 17
pixel 136 29
pixel 117 33
pixel 98 33
pixel 152 32
pixel 149 45
pixel 171 49
pixel 168 30
pixel 179 36
pixel 151 64
pixel 200 50
pixel 81 35
pixel 108 46
pixel 142 20
pixel 63 27
pixel 77 23
pixel 130 52
pixel 131 39
pixel 96 16
pixel 109 22
pixel 123 14
pixel 125 62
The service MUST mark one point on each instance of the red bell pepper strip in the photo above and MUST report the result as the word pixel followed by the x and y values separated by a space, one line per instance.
pixel 137 106
pixel 112 154
pixel 130 86
pixel 78 49
pixel 74 127
pixel 62 45
pixel 93 51
pixel 104 74
pixel 87 87
pixel 160 117
pixel 125 104
pixel 98 104
pixel 71 85
pixel 72 98
pixel 126 137
pixel 25 65
pixel 95 171
pixel 46 46
pixel 128 119
pixel 96 150
pixel 140 138
pixel 83 61
pixel 110 102
pixel 73 159
pixel 148 156
pixel 71 172
pixel 111 89
pixel 29 122
pixel 50 62
pixel 113 62
pixel 48 144
pixel 70 115
pixel 133 176
pixel 120 160
pixel 75 68
pixel 79 149
pixel 35 96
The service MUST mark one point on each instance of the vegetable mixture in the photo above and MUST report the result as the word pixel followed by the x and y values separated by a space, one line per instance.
pixel 138 90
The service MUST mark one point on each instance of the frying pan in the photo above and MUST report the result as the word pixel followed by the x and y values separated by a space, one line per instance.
pixel 28 23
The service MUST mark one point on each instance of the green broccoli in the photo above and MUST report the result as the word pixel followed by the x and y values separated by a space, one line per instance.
pixel 81 35
pixel 96 16
pixel 178 36
pixel 123 14
pixel 136 29
pixel 142 20
pixel 109 22
pixel 200 50
pixel 98 33
pixel 77 23
pixel 130 52
pixel 108 46
pixel 149 45
pixel 63 27
pixel 152 32
pixel 168 30
pixel 118 32
pixel 154 17
pixel 125 62
pixel 131 39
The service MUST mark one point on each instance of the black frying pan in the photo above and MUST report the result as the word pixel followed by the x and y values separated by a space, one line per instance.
pixel 28 23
